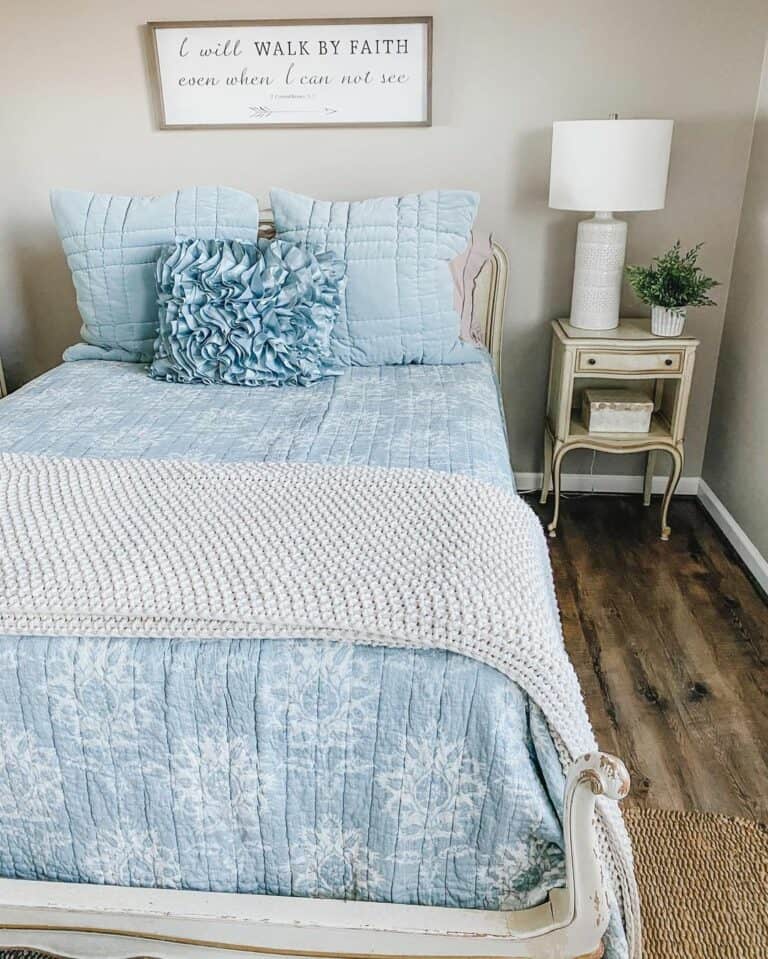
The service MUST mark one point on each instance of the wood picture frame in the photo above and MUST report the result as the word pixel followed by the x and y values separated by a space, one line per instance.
pixel 387 83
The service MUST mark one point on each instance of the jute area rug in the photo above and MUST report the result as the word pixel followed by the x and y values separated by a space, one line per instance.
pixel 703 884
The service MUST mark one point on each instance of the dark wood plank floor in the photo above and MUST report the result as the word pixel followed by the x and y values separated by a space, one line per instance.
pixel 670 641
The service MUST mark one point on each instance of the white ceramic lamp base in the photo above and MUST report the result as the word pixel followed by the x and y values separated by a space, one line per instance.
pixel 600 246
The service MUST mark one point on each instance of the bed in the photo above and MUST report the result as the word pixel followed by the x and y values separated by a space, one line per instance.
pixel 287 796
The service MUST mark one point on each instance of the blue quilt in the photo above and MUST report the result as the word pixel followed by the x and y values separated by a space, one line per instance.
pixel 286 767
pixel 434 417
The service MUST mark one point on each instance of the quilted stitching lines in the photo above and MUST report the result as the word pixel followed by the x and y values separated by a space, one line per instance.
pixel 399 297
pixel 112 263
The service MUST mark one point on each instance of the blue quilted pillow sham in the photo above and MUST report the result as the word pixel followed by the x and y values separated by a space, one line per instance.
pixel 398 306
pixel 245 314
pixel 112 244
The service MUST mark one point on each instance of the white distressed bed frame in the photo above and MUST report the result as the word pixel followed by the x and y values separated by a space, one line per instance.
pixel 114 922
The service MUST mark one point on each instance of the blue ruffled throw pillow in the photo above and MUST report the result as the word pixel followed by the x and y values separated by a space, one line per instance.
pixel 246 314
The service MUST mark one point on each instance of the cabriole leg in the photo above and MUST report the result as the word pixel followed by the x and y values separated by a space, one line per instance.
pixel 650 467
pixel 546 476
pixel 556 466
pixel 674 479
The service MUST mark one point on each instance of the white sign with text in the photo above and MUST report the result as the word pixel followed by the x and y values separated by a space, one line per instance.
pixel 294 73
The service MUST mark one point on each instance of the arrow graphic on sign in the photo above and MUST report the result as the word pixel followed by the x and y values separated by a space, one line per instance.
pixel 261 112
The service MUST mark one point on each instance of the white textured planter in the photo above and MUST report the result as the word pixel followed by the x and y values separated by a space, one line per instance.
pixel 666 322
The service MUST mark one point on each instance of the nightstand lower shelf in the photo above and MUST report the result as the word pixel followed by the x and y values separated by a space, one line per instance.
pixel 659 432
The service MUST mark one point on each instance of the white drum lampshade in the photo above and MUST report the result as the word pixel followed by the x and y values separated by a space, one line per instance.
pixel 606 166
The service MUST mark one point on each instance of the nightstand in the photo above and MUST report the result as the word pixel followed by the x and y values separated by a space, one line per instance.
pixel 628 353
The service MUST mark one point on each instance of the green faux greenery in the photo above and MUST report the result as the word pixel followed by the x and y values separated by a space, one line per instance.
pixel 672 280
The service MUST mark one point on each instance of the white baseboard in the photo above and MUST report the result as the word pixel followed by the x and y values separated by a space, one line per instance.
pixel 606 483
pixel 750 555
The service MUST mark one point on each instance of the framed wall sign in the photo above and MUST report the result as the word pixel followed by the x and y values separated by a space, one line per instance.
pixel 280 73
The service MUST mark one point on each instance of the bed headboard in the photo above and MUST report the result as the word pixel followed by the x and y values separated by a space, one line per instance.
pixel 490 293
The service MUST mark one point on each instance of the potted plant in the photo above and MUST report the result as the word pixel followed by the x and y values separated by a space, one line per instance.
pixel 669 285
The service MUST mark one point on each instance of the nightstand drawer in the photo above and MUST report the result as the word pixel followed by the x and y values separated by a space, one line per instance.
pixel 629 361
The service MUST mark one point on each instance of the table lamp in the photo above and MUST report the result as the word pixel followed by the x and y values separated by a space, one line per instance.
pixel 605 166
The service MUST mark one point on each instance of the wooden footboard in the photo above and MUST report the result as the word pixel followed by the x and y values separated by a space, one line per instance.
pixel 110 922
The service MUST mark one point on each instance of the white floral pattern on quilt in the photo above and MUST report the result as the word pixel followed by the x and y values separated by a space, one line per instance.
pixel 259 766
pixel 233 765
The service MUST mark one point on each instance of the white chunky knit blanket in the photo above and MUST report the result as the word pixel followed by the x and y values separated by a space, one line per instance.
pixel 395 557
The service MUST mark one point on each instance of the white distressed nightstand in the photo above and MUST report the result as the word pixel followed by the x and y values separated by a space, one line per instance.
pixel 630 352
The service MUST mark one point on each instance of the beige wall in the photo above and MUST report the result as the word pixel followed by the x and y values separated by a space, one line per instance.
pixel 736 464
pixel 76 113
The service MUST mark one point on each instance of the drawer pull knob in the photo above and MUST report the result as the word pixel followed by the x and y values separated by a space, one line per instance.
pixel 668 362
pixel 591 361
